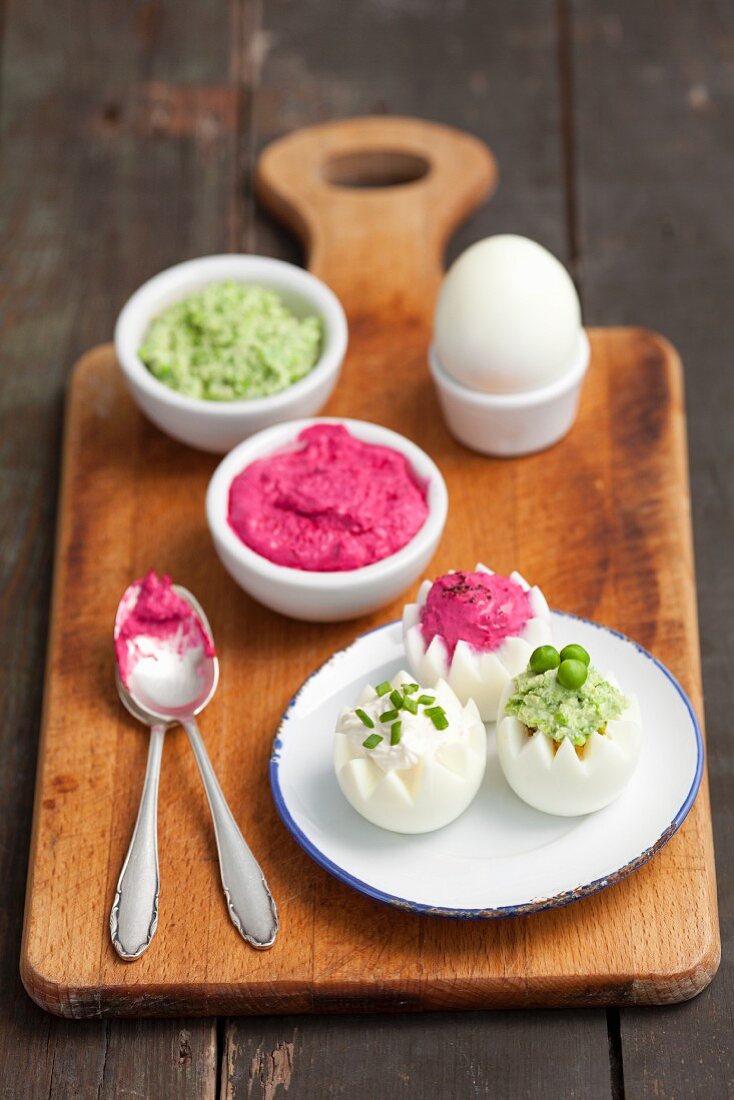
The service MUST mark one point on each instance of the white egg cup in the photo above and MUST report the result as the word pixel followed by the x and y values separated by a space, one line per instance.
pixel 559 780
pixel 426 794
pixel 482 677
pixel 511 424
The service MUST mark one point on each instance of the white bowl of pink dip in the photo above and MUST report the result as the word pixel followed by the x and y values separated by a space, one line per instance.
pixel 326 519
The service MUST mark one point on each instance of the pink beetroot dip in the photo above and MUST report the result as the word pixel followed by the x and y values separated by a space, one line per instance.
pixel 151 609
pixel 479 608
pixel 330 503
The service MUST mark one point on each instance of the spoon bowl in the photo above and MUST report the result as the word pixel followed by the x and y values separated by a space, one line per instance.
pixel 167 683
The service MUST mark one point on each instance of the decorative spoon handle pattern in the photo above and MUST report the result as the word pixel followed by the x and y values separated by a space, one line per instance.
pixel 134 915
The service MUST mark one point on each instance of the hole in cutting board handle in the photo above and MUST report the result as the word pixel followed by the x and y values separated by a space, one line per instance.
pixel 375 168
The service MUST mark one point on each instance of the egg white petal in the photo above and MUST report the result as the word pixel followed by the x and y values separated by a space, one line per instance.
pixel 457 758
pixel 536 632
pixel 514 654
pixel 423 591
pixel 358 778
pixel 401 678
pixel 538 604
pixel 463 673
pixel 540 751
pixel 411 616
pixel 436 660
pixel 342 752
pixel 471 710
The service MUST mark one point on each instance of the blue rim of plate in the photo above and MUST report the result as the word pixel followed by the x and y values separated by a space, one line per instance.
pixel 536 905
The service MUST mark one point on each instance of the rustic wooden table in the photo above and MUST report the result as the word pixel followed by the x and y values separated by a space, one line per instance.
pixel 128 138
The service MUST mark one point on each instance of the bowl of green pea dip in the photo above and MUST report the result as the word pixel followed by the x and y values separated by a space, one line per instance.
pixel 218 348
pixel 231 341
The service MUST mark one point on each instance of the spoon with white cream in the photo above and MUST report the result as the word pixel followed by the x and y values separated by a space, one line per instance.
pixel 167 672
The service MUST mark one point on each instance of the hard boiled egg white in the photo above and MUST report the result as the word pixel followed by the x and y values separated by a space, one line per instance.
pixel 558 779
pixel 426 780
pixel 481 677
pixel 508 318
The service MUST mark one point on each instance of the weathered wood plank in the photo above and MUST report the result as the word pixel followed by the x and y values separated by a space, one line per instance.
pixel 655 173
pixel 505 1055
pixel 111 169
pixel 488 69
pixel 159 1058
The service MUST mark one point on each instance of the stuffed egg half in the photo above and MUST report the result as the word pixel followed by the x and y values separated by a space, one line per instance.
pixel 476 631
pixel 571 770
pixel 407 758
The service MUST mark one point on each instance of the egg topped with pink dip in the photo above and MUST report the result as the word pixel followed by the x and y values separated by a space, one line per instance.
pixel 475 630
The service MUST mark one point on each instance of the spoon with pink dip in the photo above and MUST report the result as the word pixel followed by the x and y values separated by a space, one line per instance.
pixel 166 673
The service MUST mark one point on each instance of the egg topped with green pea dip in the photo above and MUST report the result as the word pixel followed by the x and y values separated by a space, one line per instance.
pixel 407 758
pixel 568 739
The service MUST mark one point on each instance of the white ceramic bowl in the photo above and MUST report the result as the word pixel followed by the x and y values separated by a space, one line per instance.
pixel 218 425
pixel 324 597
pixel 508 424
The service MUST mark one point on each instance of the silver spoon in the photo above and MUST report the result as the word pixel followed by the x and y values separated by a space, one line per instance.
pixel 165 688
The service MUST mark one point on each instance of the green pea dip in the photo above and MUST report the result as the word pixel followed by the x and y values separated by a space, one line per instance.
pixel 231 341
pixel 541 703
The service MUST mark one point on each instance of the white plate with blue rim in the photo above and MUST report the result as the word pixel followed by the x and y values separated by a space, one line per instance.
pixel 501 858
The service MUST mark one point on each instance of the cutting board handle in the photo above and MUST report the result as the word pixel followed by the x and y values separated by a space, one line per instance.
pixel 374 201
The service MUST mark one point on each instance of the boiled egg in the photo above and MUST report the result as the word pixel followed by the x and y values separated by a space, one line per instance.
pixel 561 778
pixel 479 636
pixel 409 767
pixel 508 317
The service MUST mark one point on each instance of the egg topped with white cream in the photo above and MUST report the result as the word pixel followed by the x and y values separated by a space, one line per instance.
pixel 476 630
pixel 568 740
pixel 407 758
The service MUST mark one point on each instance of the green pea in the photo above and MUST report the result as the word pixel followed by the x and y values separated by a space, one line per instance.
pixel 572 674
pixel 544 658
pixel 575 653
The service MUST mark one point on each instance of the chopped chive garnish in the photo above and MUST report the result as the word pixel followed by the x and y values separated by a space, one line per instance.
pixel 372 741
pixel 396 699
pixel 389 716
pixel 426 700
pixel 438 717
pixel 395 731
pixel 409 689
pixel 383 688
pixel 364 718
pixel 411 705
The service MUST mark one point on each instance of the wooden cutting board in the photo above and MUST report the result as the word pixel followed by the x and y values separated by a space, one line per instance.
pixel 601 522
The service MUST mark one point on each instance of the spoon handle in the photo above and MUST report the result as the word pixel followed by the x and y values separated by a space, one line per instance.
pixel 249 901
pixel 134 916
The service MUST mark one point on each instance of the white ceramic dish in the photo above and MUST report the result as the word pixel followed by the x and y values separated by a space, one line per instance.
pixel 501 858
pixel 509 424
pixel 218 425
pixel 324 597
